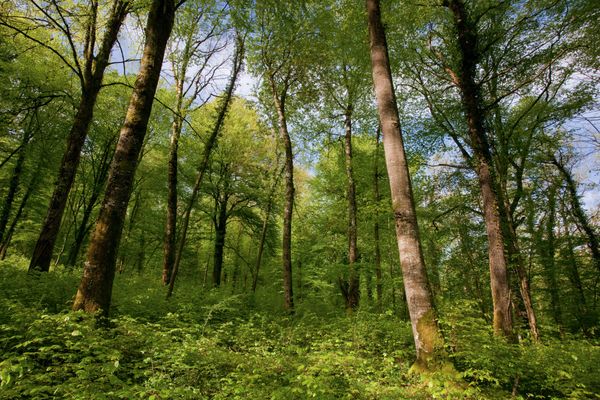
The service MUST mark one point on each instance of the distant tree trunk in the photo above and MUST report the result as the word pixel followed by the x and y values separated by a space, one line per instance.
pixel 210 143
pixel 220 233
pixel 15 179
pixel 31 187
pixel 171 223
pixel 91 81
pixel 467 40
pixel 377 198
pixel 427 336
pixel 584 317
pixel 95 290
pixel 350 287
pixel 97 186
pixel 581 218
pixel 261 245
pixel 467 253
pixel 286 253
pixel 547 250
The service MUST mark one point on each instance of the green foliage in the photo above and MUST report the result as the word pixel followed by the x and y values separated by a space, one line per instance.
pixel 552 369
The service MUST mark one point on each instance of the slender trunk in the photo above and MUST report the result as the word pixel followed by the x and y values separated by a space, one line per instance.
pixel 377 198
pixel 546 251
pixel 467 38
pixel 582 219
pixel 350 287
pixel 286 245
pixel 583 315
pixel 15 179
pixel 210 144
pixel 171 222
pixel 467 253
pixel 261 245
pixel 426 333
pixel 91 84
pixel 220 232
pixel 97 186
pixel 95 290
pixel 11 229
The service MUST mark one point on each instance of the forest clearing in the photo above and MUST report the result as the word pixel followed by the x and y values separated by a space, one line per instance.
pixel 293 199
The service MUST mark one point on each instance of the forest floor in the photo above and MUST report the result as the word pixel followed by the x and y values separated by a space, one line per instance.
pixel 218 345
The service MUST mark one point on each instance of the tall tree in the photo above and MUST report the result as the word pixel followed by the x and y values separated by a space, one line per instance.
pixel 90 72
pixel 426 333
pixel 195 45
pixel 95 290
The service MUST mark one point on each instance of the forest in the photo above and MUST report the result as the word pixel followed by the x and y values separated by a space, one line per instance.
pixel 293 199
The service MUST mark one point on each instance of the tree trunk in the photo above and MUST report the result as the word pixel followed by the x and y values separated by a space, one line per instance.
pixel 9 232
pixel 377 198
pixel 351 287
pixel 584 317
pixel 261 245
pixel 286 245
pixel 97 186
pixel 427 336
pixel 91 84
pixel 467 38
pixel 13 186
pixel 171 222
pixel 547 250
pixel 210 143
pixel 95 290
pixel 582 219
pixel 220 232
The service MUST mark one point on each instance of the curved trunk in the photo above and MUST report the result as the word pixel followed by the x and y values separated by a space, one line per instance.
pixel 467 40
pixel 95 289
pixel 426 333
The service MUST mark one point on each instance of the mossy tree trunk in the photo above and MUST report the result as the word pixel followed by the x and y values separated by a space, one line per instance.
pixel 427 336
pixel 95 290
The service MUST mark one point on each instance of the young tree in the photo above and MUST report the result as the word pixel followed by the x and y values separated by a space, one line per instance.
pixel 196 43
pixel 95 289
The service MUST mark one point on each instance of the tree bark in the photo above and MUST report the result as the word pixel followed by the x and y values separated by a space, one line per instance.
pixel 426 333
pixel 582 219
pixel 220 233
pixel 350 287
pixel 9 232
pixel 286 253
pixel 377 198
pixel 171 222
pixel 467 40
pixel 91 78
pixel 95 290
pixel 15 179
pixel 210 144
pixel 97 186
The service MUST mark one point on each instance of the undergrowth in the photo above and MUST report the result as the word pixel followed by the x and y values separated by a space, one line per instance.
pixel 207 344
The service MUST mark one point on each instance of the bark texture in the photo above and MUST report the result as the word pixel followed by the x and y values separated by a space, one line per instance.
pixel 351 287
pixel 91 82
pixel 95 289
pixel 286 245
pixel 427 336
pixel 467 40
pixel 377 198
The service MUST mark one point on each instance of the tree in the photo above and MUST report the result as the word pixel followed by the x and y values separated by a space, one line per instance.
pixel 426 334
pixel 95 289
pixel 196 42
pixel 90 72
